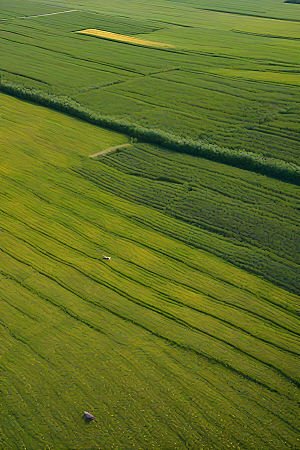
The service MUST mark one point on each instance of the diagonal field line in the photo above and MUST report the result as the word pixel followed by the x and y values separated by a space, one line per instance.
pixel 107 150
pixel 40 15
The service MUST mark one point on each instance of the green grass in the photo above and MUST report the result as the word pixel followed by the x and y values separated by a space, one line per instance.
pixel 231 80
pixel 167 345
pixel 171 344
pixel 257 216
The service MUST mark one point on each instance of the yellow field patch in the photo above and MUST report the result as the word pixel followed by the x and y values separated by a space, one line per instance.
pixel 123 38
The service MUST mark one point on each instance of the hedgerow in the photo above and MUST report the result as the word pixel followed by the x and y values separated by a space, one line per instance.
pixel 244 160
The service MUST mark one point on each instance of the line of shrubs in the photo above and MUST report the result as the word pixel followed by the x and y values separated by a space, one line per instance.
pixel 244 160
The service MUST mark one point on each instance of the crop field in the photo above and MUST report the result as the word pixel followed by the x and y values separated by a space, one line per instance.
pixel 188 338
pixel 122 38
pixel 258 217
pixel 232 78
pixel 167 345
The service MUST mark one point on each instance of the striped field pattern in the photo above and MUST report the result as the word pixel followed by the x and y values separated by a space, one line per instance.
pixel 169 347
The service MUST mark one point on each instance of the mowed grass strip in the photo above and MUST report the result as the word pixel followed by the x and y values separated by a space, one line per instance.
pixel 165 344
pixel 122 38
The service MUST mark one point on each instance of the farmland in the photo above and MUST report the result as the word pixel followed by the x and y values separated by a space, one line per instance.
pixel 230 80
pixel 168 345
pixel 180 162
pixel 257 217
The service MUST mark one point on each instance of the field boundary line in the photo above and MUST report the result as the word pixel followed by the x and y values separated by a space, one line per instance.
pixel 110 149
pixel 41 15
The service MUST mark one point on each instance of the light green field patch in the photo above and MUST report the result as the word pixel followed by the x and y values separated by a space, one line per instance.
pixel 253 75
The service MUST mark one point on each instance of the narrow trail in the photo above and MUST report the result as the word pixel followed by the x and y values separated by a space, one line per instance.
pixel 40 15
pixel 110 149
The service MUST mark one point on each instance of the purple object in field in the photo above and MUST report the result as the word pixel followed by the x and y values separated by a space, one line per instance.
pixel 89 416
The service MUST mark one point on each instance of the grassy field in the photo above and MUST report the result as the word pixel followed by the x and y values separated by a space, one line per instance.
pixel 232 78
pixel 167 345
pixel 257 217
pixel 188 338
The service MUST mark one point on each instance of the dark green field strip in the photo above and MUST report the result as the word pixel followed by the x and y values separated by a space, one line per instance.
pixel 163 166
pixel 179 182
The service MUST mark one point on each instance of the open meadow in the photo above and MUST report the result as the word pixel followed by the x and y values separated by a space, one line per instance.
pixel 188 338
pixel 167 345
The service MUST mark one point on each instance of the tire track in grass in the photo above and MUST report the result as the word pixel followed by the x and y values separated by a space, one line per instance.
pixel 157 310
pixel 161 294
pixel 47 298
pixel 23 342
pixel 19 309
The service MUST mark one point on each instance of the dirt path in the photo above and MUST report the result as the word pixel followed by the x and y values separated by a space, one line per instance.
pixel 41 15
pixel 110 149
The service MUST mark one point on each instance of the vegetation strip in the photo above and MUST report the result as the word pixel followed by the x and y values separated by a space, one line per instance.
pixel 242 159
pixel 110 149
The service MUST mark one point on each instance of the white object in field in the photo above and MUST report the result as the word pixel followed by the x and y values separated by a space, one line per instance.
pixel 89 416
pixel 106 257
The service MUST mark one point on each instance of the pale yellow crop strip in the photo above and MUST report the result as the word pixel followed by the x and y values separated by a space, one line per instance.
pixel 123 38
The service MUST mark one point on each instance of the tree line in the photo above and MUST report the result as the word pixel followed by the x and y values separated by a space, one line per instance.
pixel 244 160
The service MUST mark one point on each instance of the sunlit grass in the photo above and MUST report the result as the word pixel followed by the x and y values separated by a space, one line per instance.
pixel 168 346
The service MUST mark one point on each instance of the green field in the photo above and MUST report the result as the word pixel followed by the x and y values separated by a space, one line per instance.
pixel 189 337
pixel 254 219
pixel 231 79
pixel 167 345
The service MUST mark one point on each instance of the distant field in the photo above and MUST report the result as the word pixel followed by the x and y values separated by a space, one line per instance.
pixel 168 346
pixel 232 79
pixel 122 38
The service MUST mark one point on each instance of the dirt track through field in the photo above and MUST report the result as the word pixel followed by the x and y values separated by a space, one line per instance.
pixel 41 15
pixel 110 149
